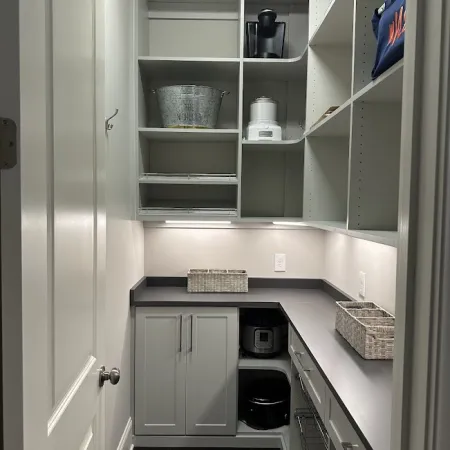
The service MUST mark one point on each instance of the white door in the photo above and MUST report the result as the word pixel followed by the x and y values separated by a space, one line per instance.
pixel 212 371
pixel 61 224
pixel 160 372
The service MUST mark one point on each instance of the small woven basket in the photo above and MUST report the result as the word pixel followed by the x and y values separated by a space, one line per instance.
pixel 215 280
pixel 368 328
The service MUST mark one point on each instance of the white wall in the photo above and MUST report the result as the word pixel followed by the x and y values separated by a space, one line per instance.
pixel 125 239
pixel 172 251
pixel 310 254
pixel 345 257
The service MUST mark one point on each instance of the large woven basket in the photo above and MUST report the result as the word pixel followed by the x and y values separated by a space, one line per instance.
pixel 216 280
pixel 367 327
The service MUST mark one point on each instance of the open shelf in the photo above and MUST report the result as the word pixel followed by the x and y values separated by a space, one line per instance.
pixel 387 88
pixel 292 145
pixel 194 178
pixel 272 184
pixel 336 27
pixel 188 29
pixel 281 363
pixel 206 69
pixel 276 69
pixel 190 134
pixel 243 428
pixel 336 124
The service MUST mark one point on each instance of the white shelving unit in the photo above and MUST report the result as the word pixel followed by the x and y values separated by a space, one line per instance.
pixel 339 173
pixel 351 156
pixel 212 52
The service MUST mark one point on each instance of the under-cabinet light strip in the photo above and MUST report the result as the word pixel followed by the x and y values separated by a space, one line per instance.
pixel 294 224
pixel 199 222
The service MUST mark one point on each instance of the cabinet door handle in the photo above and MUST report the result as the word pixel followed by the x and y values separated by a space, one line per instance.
pixel 180 347
pixel 349 446
pixel 192 334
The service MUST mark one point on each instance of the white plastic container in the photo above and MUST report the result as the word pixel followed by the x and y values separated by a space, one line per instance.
pixel 263 124
pixel 263 109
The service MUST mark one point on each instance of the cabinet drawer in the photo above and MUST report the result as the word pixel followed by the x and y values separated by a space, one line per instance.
pixel 311 377
pixel 340 430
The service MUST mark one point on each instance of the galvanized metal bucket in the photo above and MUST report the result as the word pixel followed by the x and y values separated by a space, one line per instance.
pixel 189 106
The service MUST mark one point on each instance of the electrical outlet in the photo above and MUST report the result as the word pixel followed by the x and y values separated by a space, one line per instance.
pixel 362 284
pixel 280 262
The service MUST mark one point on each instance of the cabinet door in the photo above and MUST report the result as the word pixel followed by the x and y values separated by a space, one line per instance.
pixel 160 367
pixel 212 371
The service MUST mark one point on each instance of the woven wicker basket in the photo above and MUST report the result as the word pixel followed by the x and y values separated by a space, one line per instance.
pixel 215 280
pixel 368 328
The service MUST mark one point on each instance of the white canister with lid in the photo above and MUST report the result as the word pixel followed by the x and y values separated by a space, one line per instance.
pixel 263 109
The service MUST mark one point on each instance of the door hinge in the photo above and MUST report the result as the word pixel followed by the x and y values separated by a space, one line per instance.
pixel 8 143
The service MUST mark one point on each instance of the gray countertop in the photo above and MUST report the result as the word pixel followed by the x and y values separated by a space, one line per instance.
pixel 363 388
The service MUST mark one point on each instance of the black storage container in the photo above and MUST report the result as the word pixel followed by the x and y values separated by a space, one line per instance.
pixel 265 38
pixel 264 402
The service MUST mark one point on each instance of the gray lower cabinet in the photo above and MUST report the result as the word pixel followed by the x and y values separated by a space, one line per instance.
pixel 186 370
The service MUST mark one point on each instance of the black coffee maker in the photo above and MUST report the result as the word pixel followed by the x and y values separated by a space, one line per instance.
pixel 265 38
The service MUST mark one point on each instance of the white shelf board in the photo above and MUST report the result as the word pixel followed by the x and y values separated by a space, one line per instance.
pixel 162 214
pixel 190 134
pixel 336 27
pixel 328 225
pixel 389 238
pixel 243 428
pixel 387 88
pixel 291 145
pixel 281 363
pixel 201 69
pixel 336 124
pixel 268 69
pixel 149 178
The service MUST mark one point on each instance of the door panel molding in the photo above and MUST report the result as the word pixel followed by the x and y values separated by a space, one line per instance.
pixel 73 390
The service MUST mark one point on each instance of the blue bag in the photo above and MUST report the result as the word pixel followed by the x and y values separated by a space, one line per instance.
pixel 389 28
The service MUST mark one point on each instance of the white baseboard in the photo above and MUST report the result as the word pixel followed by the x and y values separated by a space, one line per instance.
pixel 126 439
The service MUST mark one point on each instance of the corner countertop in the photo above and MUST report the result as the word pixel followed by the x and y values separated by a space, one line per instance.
pixel 362 387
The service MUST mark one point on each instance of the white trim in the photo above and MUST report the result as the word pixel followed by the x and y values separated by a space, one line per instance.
pixel 87 440
pixel 239 441
pixel 193 15
pixel 65 402
pixel 125 440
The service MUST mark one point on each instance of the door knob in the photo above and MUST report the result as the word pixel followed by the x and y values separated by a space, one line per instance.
pixel 113 377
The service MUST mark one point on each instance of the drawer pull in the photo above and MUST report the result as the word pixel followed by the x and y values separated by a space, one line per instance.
pixel 180 347
pixel 299 356
pixel 299 421
pixel 349 446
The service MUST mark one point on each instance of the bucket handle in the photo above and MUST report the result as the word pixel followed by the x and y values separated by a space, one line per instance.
pixel 222 95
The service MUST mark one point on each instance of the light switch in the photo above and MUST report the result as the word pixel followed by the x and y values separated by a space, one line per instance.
pixel 280 262
pixel 362 284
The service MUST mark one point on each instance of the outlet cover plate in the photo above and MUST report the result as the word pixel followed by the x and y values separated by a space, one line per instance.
pixel 362 284
pixel 280 262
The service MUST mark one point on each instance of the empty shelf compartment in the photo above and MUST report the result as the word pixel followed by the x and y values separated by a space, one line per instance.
pixel 187 197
